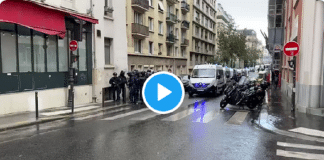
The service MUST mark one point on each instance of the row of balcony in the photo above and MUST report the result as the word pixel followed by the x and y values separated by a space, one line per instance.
pixel 140 5
pixel 185 7
pixel 143 5
pixel 171 18
pixel 140 31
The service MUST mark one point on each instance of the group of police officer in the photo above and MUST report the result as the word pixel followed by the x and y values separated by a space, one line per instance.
pixel 134 81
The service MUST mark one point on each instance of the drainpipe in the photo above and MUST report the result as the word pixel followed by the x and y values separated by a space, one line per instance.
pixel 94 97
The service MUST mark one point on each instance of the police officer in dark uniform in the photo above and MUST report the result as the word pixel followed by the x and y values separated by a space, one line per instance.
pixel 122 85
pixel 114 82
pixel 131 84
pixel 142 79
pixel 136 85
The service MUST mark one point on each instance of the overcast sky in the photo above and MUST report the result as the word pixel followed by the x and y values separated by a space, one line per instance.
pixel 250 14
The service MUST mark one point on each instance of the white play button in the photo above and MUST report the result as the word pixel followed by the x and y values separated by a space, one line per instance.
pixel 162 92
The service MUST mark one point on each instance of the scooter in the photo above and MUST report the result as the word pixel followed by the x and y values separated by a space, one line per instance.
pixel 245 94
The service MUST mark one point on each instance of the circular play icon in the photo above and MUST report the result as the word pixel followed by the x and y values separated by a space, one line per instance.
pixel 163 92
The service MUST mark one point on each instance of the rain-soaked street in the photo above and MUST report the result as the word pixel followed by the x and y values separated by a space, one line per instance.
pixel 197 130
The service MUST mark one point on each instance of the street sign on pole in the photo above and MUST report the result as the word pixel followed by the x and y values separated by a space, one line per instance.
pixel 291 49
pixel 73 45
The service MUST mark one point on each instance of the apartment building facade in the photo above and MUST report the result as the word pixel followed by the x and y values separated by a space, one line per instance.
pixel 202 32
pixel 110 48
pixel 157 35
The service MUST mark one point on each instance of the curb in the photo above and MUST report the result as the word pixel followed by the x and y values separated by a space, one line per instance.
pixel 262 123
pixel 60 117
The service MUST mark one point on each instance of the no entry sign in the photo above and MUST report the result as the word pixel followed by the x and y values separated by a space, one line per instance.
pixel 291 49
pixel 73 45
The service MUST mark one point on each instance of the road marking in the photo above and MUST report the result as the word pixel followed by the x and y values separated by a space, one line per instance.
pixel 300 155
pixel 302 146
pixel 145 117
pixel 205 118
pixel 179 115
pixel 238 118
pixel 88 117
pixel 308 131
pixel 69 111
pixel 126 114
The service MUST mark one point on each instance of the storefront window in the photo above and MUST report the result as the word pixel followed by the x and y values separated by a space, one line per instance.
pixel 83 54
pixel 63 54
pixel 8 52
pixel 51 54
pixel 39 52
pixel 24 49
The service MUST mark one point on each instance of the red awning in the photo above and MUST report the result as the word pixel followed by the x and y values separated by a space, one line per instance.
pixel 33 16
pixel 39 17
pixel 91 20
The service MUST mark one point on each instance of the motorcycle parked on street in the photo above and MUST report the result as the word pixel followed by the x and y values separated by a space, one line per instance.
pixel 245 93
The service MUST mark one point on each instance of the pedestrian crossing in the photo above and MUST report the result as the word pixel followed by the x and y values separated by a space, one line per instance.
pixel 193 114
pixel 292 150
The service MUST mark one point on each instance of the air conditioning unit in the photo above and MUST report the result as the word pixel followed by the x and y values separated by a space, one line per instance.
pixel 109 9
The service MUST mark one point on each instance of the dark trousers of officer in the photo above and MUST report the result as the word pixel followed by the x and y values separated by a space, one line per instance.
pixel 136 90
pixel 116 92
pixel 131 94
pixel 122 90
pixel 140 93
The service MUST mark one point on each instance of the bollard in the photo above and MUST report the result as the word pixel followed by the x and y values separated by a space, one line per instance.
pixel 103 97
pixel 36 104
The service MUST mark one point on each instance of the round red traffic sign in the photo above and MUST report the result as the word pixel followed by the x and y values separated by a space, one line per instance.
pixel 291 49
pixel 73 45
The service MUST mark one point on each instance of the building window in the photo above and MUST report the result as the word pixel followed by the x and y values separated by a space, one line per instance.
pixel 197 16
pixel 151 3
pixel 177 33
pixel 108 42
pixel 63 54
pixel 160 48
pixel 83 54
pixel 160 27
pixel 203 6
pixel 176 52
pixel 8 48
pixel 151 24
pixel 197 2
pixel 206 22
pixel 51 51
pixel 24 49
pixel 197 31
pixel 202 20
pixel 202 33
pixel 138 45
pixel 169 50
pixel 151 48
pixel 39 51
pixel 138 18
pixel 160 6
pixel 207 10
pixel 108 8
pixel 183 52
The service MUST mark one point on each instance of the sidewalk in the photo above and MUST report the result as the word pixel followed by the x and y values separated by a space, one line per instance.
pixel 277 116
pixel 29 118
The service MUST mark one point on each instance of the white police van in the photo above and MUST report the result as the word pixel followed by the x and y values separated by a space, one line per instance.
pixel 207 79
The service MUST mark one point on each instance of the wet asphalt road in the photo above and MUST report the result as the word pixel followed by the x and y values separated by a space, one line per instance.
pixel 200 131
